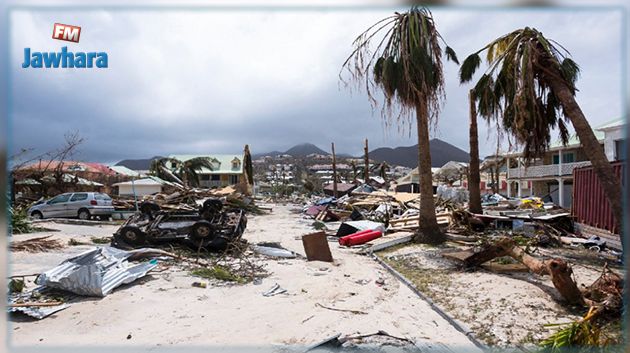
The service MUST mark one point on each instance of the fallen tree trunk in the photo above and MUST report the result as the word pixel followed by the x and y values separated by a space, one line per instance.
pixel 559 271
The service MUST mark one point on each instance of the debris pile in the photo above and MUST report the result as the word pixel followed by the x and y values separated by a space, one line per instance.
pixel 188 200
pixel 39 244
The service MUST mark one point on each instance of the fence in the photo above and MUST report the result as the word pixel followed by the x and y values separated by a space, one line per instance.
pixel 590 205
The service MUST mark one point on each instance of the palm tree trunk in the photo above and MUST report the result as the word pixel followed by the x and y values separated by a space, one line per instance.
pixel 474 179
pixel 494 174
pixel 428 230
pixel 593 150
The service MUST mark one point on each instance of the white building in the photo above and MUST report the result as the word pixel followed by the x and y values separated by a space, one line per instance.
pixel 146 186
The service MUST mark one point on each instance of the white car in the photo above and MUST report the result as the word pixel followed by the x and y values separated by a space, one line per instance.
pixel 83 205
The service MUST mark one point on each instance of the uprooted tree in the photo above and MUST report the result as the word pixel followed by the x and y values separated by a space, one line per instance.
pixel 604 295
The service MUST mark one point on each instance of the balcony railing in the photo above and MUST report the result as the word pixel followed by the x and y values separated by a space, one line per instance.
pixel 210 183
pixel 549 170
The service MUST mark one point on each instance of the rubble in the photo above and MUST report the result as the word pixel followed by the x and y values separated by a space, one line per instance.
pixel 39 244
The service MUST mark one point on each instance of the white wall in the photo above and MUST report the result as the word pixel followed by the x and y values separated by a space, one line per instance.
pixel 609 141
pixel 140 189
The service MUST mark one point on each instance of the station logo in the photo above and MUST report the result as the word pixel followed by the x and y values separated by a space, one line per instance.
pixel 68 33
pixel 64 58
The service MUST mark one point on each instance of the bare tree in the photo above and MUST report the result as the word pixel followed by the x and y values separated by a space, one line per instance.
pixel 51 166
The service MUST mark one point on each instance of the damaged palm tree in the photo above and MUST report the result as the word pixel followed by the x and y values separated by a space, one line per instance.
pixel 407 67
pixel 529 85
pixel 184 172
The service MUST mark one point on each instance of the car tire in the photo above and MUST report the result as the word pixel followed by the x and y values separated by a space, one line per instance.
pixel 83 214
pixel 37 215
pixel 202 231
pixel 131 235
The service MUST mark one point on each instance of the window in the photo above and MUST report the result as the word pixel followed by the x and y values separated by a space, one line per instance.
pixel 59 199
pixel 233 179
pixel 236 163
pixel 79 197
pixel 173 165
pixel 102 197
pixel 619 149
pixel 216 177
pixel 205 177
pixel 567 157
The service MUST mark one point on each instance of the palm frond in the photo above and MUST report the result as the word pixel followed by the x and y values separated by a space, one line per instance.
pixel 570 71
pixel 405 65
pixel 516 91
pixel 468 68
pixel 450 55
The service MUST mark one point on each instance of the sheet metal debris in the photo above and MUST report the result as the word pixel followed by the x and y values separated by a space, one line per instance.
pixel 95 272
pixel 273 252
pixel 275 290
pixel 36 311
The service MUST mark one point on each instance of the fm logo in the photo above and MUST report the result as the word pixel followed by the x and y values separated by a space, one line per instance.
pixel 68 33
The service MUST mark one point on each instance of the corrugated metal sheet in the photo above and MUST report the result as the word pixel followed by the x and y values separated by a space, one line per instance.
pixel 38 312
pixel 590 205
pixel 95 272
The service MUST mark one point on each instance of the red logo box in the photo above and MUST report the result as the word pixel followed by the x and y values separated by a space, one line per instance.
pixel 68 33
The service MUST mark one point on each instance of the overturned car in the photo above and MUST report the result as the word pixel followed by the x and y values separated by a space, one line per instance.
pixel 211 227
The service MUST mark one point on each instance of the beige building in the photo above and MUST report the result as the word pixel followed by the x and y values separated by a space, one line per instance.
pixel 552 175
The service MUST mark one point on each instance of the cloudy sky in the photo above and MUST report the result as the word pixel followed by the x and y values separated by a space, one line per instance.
pixel 210 81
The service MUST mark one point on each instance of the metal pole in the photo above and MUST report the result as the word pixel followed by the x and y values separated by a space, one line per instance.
pixel 133 189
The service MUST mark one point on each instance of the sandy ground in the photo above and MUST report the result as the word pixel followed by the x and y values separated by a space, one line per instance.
pixel 164 310
pixel 506 309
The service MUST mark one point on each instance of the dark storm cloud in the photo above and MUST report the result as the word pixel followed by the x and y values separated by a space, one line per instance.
pixel 210 82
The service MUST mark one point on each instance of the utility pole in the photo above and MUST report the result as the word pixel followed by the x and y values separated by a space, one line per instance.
pixel 334 166
pixel 366 171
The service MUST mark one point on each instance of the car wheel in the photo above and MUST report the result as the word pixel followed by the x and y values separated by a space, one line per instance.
pixel 131 235
pixel 84 214
pixel 37 215
pixel 202 231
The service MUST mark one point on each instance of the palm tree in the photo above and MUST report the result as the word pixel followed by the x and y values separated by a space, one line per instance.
pixel 248 166
pixel 407 67
pixel 383 168
pixel 355 170
pixel 528 86
pixel 474 178
pixel 185 172
pixel 159 168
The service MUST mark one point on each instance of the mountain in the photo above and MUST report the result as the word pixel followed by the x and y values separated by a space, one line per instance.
pixel 271 154
pixel 441 153
pixel 304 149
pixel 137 164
